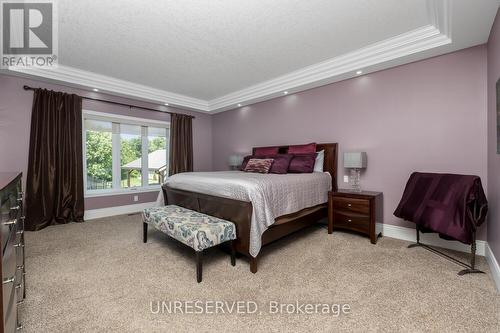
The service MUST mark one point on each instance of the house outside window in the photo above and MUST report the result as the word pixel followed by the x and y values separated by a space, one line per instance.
pixel 123 154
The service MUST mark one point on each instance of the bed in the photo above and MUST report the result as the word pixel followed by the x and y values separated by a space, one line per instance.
pixel 263 207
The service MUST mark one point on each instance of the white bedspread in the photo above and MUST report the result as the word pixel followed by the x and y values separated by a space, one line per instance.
pixel 272 195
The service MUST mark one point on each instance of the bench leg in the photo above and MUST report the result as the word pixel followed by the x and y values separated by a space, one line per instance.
pixel 233 254
pixel 199 272
pixel 144 232
pixel 253 265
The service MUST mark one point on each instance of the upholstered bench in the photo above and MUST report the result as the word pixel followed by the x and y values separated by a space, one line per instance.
pixel 196 230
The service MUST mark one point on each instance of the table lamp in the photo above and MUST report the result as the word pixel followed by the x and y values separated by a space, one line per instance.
pixel 355 161
pixel 235 161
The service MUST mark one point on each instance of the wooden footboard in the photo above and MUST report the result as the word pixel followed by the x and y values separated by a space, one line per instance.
pixel 236 211
pixel 240 213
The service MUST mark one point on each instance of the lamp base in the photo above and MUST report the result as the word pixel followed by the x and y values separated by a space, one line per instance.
pixel 354 179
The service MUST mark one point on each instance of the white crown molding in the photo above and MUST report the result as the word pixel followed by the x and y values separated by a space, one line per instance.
pixel 439 13
pixel 332 70
pixel 106 84
pixel 437 33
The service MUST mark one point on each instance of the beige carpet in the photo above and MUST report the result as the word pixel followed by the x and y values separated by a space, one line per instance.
pixel 98 276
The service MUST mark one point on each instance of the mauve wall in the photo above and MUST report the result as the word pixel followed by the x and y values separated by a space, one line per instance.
pixel 493 157
pixel 15 118
pixel 424 116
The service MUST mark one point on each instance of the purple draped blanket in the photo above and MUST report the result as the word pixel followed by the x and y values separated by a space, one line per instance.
pixel 451 205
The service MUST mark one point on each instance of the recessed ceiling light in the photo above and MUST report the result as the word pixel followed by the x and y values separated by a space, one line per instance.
pixel 285 92
pixel 359 72
pixel 239 104
pixel 95 89
pixel 166 104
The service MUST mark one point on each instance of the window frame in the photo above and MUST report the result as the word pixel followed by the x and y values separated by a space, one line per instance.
pixel 115 120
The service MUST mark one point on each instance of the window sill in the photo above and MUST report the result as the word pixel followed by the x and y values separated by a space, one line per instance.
pixel 111 192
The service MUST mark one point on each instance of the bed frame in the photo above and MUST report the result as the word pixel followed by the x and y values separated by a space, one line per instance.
pixel 240 212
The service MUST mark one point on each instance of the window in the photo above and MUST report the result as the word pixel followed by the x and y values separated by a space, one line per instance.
pixel 130 155
pixel 98 145
pixel 157 150
pixel 123 153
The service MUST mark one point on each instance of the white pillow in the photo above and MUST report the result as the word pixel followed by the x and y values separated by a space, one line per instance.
pixel 320 158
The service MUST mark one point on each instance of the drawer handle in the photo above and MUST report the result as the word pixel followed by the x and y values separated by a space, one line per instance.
pixel 20 199
pixel 349 220
pixel 19 327
pixel 10 222
pixel 19 245
pixel 10 280
pixel 349 205
pixel 18 286
pixel 20 267
pixel 19 232
pixel 15 208
pixel 20 302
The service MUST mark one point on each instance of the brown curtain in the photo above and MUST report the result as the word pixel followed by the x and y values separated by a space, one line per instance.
pixel 181 144
pixel 54 185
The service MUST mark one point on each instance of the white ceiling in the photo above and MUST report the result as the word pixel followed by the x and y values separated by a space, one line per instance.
pixel 206 49
pixel 212 55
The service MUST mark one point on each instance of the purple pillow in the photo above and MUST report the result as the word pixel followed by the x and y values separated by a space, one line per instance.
pixel 279 166
pixel 262 151
pixel 281 163
pixel 309 148
pixel 302 163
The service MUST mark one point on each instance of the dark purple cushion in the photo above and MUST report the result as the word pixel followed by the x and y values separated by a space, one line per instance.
pixel 279 166
pixel 302 163
pixel 281 163
pixel 309 148
pixel 264 151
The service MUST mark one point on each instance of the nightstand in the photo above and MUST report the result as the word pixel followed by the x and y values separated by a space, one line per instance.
pixel 355 211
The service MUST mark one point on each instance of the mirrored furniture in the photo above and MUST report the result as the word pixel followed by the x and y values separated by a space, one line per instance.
pixel 12 256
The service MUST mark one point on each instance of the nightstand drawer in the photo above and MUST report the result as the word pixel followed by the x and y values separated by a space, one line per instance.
pixel 355 211
pixel 351 204
pixel 351 221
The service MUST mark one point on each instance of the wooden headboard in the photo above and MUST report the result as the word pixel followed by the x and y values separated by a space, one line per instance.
pixel 330 163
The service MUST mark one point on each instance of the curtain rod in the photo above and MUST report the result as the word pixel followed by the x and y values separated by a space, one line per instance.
pixel 117 103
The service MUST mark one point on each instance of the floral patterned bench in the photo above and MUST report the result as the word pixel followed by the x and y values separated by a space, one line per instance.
pixel 196 230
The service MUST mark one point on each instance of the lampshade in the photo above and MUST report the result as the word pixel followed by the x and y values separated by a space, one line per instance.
pixel 357 160
pixel 235 160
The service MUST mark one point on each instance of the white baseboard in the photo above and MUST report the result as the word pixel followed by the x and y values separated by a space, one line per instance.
pixel 494 267
pixel 118 210
pixel 409 234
